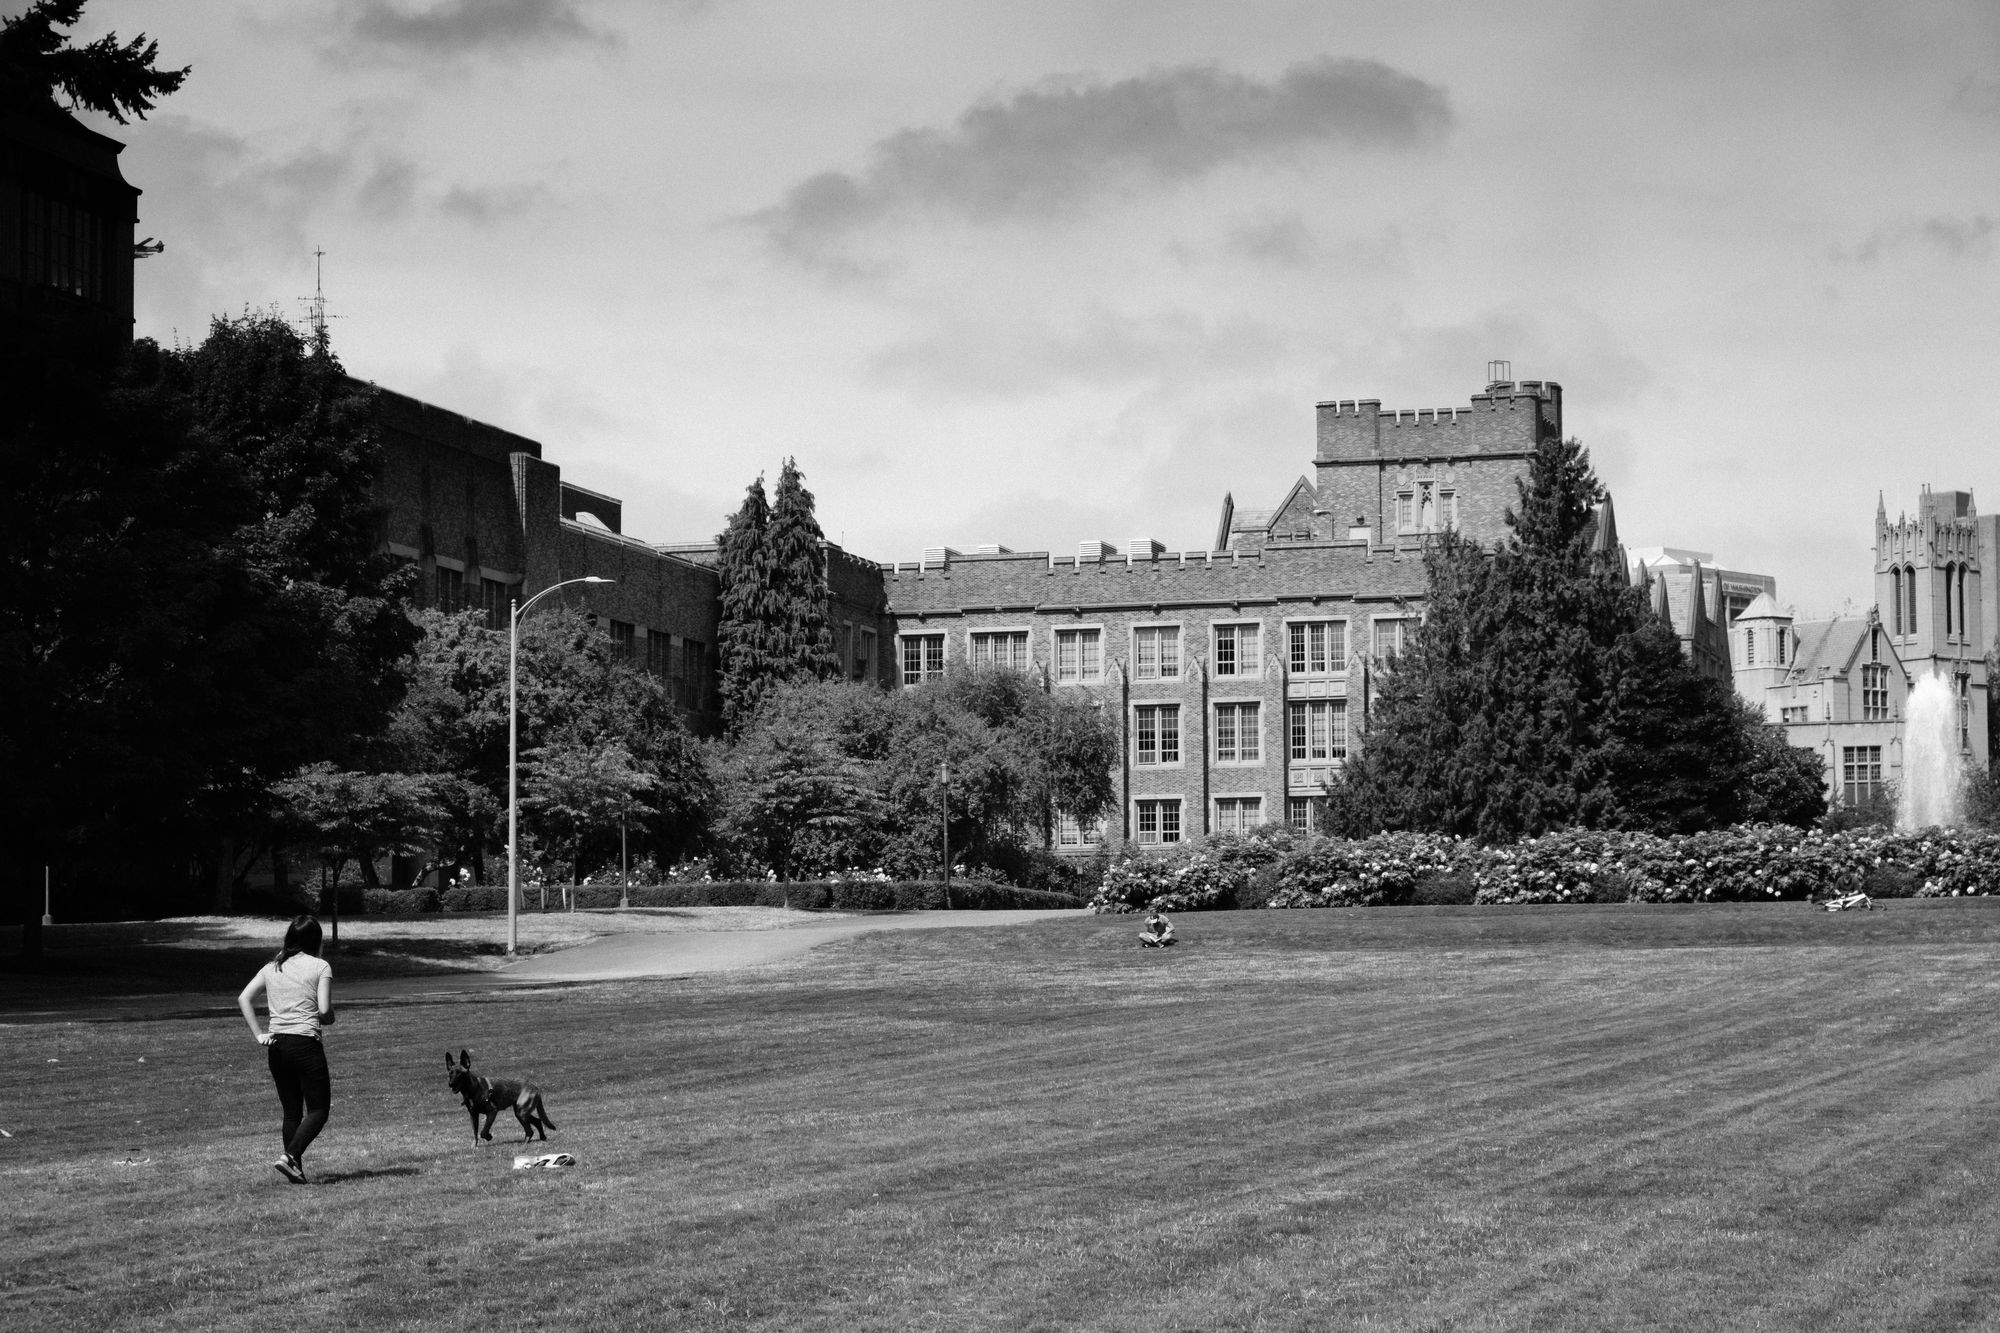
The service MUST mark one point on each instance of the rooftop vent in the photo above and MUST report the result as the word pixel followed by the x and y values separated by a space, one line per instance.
pixel 1094 550
pixel 1144 548
pixel 992 548
pixel 939 555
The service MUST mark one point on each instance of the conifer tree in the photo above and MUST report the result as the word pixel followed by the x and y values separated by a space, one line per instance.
pixel 743 567
pixel 1540 693
pixel 772 562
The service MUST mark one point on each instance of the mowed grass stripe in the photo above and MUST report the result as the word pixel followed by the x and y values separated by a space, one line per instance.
pixel 1035 1129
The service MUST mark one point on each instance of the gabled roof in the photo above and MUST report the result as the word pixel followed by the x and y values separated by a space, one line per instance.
pixel 1832 647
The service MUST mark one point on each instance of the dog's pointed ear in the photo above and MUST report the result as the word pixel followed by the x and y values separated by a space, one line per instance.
pixel 465 1059
pixel 449 1063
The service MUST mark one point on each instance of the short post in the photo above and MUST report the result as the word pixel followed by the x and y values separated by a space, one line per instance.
pixel 624 866
pixel 47 920
pixel 944 822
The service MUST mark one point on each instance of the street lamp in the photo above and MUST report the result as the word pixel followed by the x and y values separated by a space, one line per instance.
pixel 513 743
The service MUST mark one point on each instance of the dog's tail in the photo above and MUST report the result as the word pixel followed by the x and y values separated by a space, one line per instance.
pixel 542 1111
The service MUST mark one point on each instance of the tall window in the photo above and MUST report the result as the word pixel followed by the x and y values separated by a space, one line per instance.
pixel 1406 511
pixel 923 658
pixel 1238 814
pixel 1317 730
pixel 1947 602
pixel 1318 647
pixel 1749 646
pixel 1000 648
pixel 1239 650
pixel 1910 599
pixel 1860 772
pixel 496 599
pixel 1079 656
pixel 1874 692
pixel 1069 833
pixel 1388 638
pixel 1158 821
pixel 864 654
pixel 1238 734
pixel 450 589
pixel 1783 634
pixel 693 690
pixel 624 635
pixel 62 246
pixel 1963 632
pixel 1156 734
pixel 1302 812
pixel 1964 682
pixel 660 653
pixel 1896 604
pixel 1156 652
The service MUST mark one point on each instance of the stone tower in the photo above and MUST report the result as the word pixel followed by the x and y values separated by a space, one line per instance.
pixel 1929 591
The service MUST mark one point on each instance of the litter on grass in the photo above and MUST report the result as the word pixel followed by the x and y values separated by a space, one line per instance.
pixel 549 1159
pixel 1850 902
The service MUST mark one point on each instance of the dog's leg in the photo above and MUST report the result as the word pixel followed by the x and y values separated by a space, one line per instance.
pixel 486 1131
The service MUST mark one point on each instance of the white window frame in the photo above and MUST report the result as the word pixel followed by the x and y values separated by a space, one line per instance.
pixel 1159 804
pixel 1403 623
pixel 1070 833
pixel 1346 624
pixel 1180 735
pixel 943 642
pixel 1025 634
pixel 1330 707
pixel 1242 803
pixel 1154 627
pixel 1215 707
pixel 1055 654
pixel 1215 629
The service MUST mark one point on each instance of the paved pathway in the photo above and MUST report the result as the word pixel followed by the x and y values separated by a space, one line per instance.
pixel 680 953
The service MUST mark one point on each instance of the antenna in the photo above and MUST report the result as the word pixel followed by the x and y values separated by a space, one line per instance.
pixel 316 316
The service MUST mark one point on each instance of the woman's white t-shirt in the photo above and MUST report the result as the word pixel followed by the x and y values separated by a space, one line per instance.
pixel 291 993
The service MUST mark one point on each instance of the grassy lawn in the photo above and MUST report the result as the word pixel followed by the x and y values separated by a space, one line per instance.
pixel 1581 1118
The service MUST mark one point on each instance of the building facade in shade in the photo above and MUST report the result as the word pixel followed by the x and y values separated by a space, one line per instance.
pixel 66 226
pixel 489 523
pixel 1841 687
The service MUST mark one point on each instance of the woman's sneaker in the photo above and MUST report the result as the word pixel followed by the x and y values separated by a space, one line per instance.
pixel 288 1166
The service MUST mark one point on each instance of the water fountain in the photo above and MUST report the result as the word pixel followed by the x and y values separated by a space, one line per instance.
pixel 1932 770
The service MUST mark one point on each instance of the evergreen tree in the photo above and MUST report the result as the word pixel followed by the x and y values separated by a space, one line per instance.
pixel 772 566
pixel 106 76
pixel 1541 693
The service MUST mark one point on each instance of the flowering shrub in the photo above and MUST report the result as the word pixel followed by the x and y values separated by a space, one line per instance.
pixel 1208 873
pixel 1384 870
pixel 1749 863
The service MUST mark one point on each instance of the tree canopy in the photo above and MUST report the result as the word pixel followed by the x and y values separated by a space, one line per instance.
pixel 1541 692
pixel 113 78
pixel 771 567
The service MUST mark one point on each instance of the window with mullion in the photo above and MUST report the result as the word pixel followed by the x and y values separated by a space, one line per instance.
pixel 1156 734
pixel 1317 730
pixel 1156 652
pixel 1318 647
pixel 1239 650
pixel 1238 735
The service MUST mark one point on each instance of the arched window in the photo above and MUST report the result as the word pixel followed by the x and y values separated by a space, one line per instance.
pixel 1910 598
pixel 1749 646
pixel 1896 605
pixel 1781 645
pixel 1963 631
pixel 1947 601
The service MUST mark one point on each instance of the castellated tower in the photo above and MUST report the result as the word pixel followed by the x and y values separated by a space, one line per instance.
pixel 1929 591
pixel 1400 474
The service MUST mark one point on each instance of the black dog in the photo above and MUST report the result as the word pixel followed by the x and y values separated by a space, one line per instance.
pixel 490 1096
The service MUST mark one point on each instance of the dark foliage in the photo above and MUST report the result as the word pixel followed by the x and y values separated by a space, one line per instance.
pixel 113 78
pixel 1540 693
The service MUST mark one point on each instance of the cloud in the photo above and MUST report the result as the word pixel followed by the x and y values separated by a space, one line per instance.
pixel 979 357
pixel 1953 238
pixel 463 27
pixel 485 205
pixel 1977 95
pixel 1275 242
pixel 1049 149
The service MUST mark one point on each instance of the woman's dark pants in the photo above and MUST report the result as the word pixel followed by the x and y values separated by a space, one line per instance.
pixel 298 1067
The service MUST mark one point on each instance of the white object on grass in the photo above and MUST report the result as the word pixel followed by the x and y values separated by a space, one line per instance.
pixel 550 1159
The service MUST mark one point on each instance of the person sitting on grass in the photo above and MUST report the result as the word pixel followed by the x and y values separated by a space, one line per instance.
pixel 1159 932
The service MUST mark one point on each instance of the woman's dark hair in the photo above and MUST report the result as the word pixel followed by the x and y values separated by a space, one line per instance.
pixel 302 936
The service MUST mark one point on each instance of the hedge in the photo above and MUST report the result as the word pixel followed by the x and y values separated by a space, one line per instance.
pixel 813 895
pixel 1750 863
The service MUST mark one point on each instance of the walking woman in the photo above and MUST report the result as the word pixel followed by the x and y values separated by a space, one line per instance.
pixel 298 994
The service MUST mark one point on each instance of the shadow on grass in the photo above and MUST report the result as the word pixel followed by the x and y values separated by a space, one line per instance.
pixel 340 1177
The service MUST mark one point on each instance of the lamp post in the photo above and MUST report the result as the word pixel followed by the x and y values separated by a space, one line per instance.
pixel 519 609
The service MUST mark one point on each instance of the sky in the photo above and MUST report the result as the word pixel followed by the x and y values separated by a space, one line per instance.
pixel 1042 272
